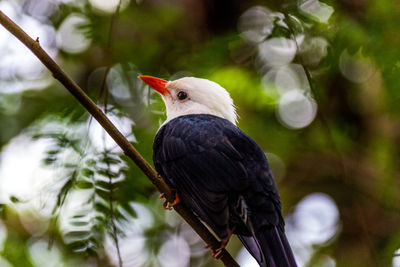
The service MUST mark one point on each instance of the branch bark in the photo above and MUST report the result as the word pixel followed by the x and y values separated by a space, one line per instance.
pixel 120 139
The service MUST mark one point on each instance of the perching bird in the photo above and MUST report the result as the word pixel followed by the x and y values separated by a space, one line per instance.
pixel 219 172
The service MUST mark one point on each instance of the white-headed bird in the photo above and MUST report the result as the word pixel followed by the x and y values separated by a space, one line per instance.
pixel 219 172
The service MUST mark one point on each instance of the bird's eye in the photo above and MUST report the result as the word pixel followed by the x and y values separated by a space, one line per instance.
pixel 181 95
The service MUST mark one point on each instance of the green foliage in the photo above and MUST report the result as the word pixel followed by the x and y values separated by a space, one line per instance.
pixel 101 175
pixel 15 251
pixel 246 88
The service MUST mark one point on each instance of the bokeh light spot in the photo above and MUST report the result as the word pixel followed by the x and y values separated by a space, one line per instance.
pixel 316 218
pixel 71 37
pixel 109 6
pixel 317 10
pixel 102 140
pixel 287 77
pixel 314 221
pixel 396 258
pixel 296 110
pixel 356 68
pixel 19 68
pixel 256 24
pixel 118 82
pixel 277 51
pixel 313 50
pixel 24 183
pixel 40 9
pixel 175 252
pixel 44 256
pixel 132 243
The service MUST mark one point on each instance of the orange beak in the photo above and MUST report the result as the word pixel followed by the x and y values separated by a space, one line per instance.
pixel 156 83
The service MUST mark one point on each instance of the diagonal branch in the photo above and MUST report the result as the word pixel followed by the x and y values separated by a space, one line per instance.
pixel 125 145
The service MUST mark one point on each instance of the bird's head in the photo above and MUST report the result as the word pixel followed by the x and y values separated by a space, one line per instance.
pixel 191 95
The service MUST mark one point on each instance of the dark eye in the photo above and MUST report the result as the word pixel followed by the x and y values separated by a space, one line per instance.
pixel 181 95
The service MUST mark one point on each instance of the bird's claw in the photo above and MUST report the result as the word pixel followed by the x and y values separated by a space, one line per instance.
pixel 168 205
pixel 216 253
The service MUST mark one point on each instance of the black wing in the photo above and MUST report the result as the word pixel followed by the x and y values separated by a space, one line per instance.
pixel 212 163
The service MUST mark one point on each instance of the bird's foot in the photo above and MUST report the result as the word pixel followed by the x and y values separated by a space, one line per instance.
pixel 216 253
pixel 168 205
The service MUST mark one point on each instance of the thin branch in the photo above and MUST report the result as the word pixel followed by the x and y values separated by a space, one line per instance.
pixel 118 137
pixel 104 89
pixel 114 230
pixel 314 90
pixel 109 54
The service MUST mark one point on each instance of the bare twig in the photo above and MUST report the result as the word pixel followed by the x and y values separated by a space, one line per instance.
pixel 125 145
pixel 104 89
pixel 109 55
pixel 314 90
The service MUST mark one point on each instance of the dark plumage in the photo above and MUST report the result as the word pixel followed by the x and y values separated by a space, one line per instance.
pixel 224 177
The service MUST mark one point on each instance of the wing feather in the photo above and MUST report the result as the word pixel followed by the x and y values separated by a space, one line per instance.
pixel 211 163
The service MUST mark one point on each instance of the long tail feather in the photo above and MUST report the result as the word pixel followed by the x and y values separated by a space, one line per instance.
pixel 270 248
pixel 275 247
pixel 252 246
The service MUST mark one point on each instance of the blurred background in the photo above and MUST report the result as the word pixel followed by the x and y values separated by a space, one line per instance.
pixel 316 84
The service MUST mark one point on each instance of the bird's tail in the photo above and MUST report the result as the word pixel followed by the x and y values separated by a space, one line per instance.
pixel 270 248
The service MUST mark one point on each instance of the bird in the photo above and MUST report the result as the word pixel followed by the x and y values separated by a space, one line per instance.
pixel 217 170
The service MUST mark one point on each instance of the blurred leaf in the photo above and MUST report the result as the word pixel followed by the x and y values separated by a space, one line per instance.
pixel 14 199
pixel 84 184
